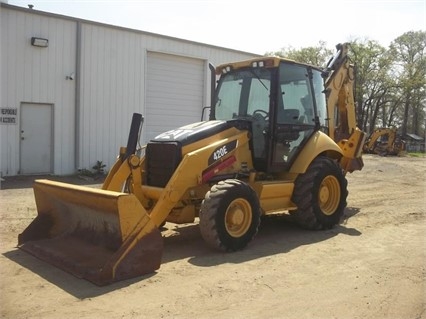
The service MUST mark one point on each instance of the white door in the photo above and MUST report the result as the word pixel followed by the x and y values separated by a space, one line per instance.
pixel 175 92
pixel 36 138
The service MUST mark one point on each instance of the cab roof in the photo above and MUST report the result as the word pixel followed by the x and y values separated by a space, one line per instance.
pixel 266 62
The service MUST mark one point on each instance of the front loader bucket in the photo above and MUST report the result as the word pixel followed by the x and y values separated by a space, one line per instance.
pixel 99 235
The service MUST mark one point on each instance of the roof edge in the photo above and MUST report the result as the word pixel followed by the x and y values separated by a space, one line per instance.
pixel 69 18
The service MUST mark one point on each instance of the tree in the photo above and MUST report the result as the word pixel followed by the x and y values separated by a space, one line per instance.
pixel 410 70
pixel 314 55
pixel 390 88
pixel 373 84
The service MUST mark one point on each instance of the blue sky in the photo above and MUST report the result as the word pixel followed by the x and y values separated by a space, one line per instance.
pixel 252 26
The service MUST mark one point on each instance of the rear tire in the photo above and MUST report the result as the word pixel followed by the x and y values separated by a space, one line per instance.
pixel 320 195
pixel 230 215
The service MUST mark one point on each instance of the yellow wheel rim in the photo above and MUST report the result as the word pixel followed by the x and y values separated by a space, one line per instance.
pixel 329 195
pixel 238 217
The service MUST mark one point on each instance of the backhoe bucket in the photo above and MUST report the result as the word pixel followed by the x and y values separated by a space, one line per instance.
pixel 99 235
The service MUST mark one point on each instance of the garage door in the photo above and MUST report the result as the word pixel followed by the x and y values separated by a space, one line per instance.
pixel 175 93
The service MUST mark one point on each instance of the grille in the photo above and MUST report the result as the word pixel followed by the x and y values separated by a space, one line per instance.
pixel 162 159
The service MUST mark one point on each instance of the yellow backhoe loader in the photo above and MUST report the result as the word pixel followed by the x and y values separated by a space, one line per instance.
pixel 280 139
pixel 384 141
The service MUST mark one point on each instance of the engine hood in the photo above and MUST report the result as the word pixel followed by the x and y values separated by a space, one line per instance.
pixel 194 132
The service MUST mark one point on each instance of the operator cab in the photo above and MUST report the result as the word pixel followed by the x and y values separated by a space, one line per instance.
pixel 283 101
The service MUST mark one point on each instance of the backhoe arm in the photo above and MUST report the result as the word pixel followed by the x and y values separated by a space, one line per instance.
pixel 339 87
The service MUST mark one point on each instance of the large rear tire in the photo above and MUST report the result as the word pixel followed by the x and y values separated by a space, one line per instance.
pixel 230 215
pixel 320 195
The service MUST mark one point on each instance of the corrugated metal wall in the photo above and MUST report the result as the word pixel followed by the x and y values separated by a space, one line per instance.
pixel 112 85
pixel 92 113
pixel 115 79
pixel 37 75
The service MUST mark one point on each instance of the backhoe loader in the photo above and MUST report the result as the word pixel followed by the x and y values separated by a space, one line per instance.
pixel 384 141
pixel 280 139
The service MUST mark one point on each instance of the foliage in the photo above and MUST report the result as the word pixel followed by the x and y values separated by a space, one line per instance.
pixel 97 170
pixel 315 55
pixel 417 154
pixel 373 86
pixel 409 51
pixel 390 83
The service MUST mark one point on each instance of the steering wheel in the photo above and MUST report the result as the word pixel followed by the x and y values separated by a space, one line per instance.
pixel 262 113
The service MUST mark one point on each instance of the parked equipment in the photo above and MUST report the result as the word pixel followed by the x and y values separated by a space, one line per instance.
pixel 384 141
pixel 280 139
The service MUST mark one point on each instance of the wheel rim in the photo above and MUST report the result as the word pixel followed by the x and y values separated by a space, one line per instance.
pixel 329 195
pixel 238 217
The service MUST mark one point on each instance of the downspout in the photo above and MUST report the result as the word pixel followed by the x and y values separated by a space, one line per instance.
pixel 77 98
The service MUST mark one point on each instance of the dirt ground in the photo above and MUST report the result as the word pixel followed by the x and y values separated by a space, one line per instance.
pixel 372 265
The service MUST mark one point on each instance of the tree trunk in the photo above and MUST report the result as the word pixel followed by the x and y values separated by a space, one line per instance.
pixel 406 112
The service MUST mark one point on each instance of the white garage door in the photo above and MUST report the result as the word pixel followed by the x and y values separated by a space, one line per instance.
pixel 175 90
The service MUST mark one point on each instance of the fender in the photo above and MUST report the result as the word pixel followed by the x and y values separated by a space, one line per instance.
pixel 319 143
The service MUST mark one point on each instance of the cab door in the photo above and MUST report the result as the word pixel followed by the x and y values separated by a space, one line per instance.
pixel 294 116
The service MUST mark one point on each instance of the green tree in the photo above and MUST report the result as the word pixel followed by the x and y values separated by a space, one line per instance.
pixel 373 84
pixel 390 82
pixel 410 72
pixel 314 55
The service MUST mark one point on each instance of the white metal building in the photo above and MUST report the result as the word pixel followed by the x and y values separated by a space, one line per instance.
pixel 69 88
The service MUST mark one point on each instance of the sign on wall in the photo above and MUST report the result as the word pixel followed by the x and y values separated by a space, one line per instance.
pixel 8 115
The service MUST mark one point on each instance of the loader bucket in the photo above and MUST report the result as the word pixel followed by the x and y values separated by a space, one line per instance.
pixel 98 235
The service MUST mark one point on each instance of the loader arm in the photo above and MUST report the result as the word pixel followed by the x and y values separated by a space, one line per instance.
pixel 189 174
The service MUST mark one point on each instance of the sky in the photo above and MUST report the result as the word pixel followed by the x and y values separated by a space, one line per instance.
pixel 253 26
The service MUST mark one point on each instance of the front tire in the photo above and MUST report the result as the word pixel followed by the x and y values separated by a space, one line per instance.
pixel 320 195
pixel 230 215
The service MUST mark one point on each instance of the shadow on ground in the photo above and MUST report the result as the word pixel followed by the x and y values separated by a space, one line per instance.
pixel 275 236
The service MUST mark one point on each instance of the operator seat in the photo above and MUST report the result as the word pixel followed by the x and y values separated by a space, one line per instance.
pixel 288 116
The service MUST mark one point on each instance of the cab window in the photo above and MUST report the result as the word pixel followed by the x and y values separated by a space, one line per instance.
pixel 294 101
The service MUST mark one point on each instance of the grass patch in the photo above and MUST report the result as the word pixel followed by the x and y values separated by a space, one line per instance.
pixel 417 154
